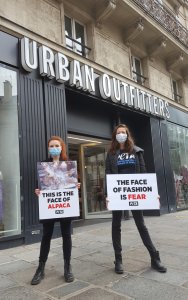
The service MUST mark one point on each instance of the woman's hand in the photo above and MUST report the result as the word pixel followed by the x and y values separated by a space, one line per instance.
pixel 78 185
pixel 159 201
pixel 37 192
pixel 107 201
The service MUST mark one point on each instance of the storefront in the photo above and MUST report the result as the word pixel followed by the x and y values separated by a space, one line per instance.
pixel 38 100
pixel 178 148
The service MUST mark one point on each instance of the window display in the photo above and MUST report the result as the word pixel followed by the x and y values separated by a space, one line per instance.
pixel 10 220
pixel 178 144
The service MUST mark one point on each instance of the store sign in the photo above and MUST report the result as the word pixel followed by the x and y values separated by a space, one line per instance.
pixel 83 77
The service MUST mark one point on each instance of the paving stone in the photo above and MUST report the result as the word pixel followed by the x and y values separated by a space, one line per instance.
pixel 28 255
pixel 186 285
pixel 55 262
pixel 53 278
pixel 57 250
pixel 6 283
pixel 99 258
pixel 135 266
pixel 175 249
pixel 172 276
pixel 76 251
pixel 88 244
pixel 175 261
pixel 14 266
pixel 87 271
pixel 68 289
pixel 12 251
pixel 79 252
pixel 138 254
pixel 106 278
pixel 6 258
pixel 92 262
pixel 22 293
pixel 98 294
pixel 146 289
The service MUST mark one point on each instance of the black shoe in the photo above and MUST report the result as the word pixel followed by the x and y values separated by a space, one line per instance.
pixel 39 275
pixel 156 263
pixel 69 277
pixel 118 267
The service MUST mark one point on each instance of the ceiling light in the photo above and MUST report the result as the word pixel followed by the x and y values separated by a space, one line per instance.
pixel 85 140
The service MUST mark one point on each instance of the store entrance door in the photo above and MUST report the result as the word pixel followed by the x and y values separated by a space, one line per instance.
pixel 91 165
pixel 93 174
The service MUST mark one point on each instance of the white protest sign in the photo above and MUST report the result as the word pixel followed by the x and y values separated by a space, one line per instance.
pixel 59 196
pixel 132 192
pixel 58 203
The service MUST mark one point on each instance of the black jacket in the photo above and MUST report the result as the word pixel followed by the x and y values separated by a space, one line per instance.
pixel 111 166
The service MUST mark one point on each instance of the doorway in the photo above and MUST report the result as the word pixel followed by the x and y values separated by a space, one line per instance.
pixel 90 154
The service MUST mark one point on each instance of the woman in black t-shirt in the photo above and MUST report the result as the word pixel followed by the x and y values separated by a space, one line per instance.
pixel 125 158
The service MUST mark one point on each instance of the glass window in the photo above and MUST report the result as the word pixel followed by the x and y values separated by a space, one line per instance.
pixel 68 33
pixel 79 32
pixel 94 160
pixel 75 36
pixel 178 144
pixel 90 154
pixel 10 220
pixel 137 70
pixel 176 95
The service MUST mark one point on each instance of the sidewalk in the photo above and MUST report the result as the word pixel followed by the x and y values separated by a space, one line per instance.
pixel 92 262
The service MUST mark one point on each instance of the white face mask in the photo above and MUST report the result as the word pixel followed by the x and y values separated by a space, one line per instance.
pixel 121 137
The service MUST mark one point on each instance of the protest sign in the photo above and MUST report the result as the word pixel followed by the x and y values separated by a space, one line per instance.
pixel 132 192
pixel 59 193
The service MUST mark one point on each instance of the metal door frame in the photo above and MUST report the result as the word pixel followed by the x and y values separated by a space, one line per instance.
pixel 86 215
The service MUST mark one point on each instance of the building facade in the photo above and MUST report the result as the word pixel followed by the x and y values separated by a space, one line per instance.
pixel 76 69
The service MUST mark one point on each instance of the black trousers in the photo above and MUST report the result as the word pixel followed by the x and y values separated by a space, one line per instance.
pixel 143 231
pixel 48 228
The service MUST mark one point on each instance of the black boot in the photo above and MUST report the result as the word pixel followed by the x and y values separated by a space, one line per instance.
pixel 39 274
pixel 69 277
pixel 118 264
pixel 156 263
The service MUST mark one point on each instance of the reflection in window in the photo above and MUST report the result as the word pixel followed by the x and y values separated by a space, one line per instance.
pixel 137 70
pixel 94 174
pixel 10 220
pixel 75 36
pixel 176 95
pixel 68 33
pixel 178 144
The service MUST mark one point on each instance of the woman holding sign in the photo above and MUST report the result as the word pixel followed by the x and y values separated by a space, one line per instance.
pixel 125 158
pixel 57 152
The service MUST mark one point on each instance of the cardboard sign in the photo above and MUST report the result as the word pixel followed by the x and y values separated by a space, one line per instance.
pixel 58 204
pixel 59 193
pixel 132 192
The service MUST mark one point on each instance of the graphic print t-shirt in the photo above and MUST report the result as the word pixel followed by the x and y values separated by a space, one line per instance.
pixel 126 163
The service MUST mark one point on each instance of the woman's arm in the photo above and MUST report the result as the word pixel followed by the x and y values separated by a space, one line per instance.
pixel 107 171
pixel 142 163
pixel 108 164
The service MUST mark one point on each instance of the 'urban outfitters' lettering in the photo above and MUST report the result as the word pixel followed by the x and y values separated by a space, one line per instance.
pixel 83 77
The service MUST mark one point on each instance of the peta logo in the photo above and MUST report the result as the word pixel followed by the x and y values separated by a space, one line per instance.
pixel 133 203
pixel 59 212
